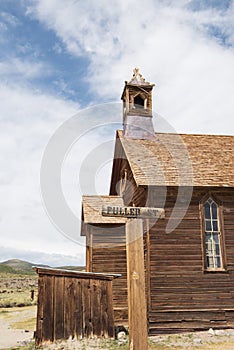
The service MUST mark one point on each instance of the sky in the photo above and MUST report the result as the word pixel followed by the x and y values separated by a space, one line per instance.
pixel 59 60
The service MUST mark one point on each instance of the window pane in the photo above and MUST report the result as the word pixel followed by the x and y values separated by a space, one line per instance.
pixel 215 225
pixel 210 262
pixel 218 262
pixel 214 210
pixel 207 210
pixel 216 238
pixel 217 249
pixel 208 225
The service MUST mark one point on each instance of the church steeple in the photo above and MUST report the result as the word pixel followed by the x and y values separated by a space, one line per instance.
pixel 137 108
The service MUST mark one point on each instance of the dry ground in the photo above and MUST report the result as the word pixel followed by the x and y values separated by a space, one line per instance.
pixel 15 290
pixel 17 326
pixel 173 342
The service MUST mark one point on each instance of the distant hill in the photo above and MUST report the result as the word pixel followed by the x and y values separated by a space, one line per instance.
pixel 17 266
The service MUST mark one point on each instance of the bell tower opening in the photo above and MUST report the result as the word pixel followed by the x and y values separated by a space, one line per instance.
pixel 139 102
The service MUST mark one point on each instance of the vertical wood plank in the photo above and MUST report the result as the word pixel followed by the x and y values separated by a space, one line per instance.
pixel 48 309
pixel 89 250
pixel 95 308
pixel 103 311
pixel 148 266
pixel 110 310
pixel 78 308
pixel 40 302
pixel 69 320
pixel 138 337
pixel 87 324
pixel 58 307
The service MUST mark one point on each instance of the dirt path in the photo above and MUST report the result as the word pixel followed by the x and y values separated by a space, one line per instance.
pixel 16 327
pixel 18 324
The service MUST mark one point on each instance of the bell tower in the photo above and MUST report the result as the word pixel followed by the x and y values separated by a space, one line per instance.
pixel 137 108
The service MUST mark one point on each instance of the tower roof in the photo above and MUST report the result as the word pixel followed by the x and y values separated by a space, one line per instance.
pixel 137 78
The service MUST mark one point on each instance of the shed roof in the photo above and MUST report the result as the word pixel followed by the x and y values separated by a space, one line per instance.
pixel 181 159
pixel 41 270
pixel 92 209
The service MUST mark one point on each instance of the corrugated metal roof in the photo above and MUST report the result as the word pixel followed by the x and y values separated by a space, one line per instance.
pixel 181 159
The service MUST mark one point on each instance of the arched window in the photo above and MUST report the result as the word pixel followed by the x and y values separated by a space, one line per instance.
pixel 213 239
pixel 138 102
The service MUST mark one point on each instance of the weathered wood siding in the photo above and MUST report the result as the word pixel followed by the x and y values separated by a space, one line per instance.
pixel 183 296
pixel 108 253
pixel 180 293
pixel 73 304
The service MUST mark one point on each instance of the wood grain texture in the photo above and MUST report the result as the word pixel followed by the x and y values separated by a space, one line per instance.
pixel 138 334
pixel 92 209
pixel 181 293
pixel 156 163
pixel 72 306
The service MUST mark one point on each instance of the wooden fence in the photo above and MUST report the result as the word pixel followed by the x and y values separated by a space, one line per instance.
pixel 73 304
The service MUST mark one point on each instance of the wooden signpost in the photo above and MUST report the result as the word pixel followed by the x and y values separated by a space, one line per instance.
pixel 137 313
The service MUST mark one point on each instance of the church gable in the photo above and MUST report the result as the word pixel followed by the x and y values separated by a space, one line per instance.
pixel 204 160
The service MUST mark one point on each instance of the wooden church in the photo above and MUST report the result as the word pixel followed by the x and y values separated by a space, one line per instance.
pixel 188 254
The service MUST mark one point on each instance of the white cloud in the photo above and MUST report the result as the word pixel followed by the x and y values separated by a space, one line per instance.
pixel 9 19
pixel 187 51
pixel 27 121
pixel 40 257
pixel 174 45
pixel 22 69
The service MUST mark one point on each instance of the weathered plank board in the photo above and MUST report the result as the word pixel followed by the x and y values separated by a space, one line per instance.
pixel 40 312
pixel 138 334
pixel 58 312
pixel 69 320
pixel 77 313
pixel 174 264
pixel 71 305
pixel 47 304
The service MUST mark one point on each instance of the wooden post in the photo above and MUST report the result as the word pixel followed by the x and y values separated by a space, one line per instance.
pixel 137 315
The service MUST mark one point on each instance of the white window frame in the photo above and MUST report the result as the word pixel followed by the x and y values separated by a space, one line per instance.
pixel 213 240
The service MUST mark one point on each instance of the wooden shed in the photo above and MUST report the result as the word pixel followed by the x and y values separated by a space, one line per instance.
pixel 74 305
pixel 188 256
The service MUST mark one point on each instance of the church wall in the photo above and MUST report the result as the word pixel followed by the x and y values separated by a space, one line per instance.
pixel 183 295
pixel 180 294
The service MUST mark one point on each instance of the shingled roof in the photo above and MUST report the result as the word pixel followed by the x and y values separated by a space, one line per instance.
pixel 181 159
pixel 92 209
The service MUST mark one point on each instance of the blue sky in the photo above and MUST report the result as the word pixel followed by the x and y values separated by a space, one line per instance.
pixel 58 57
pixel 25 39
